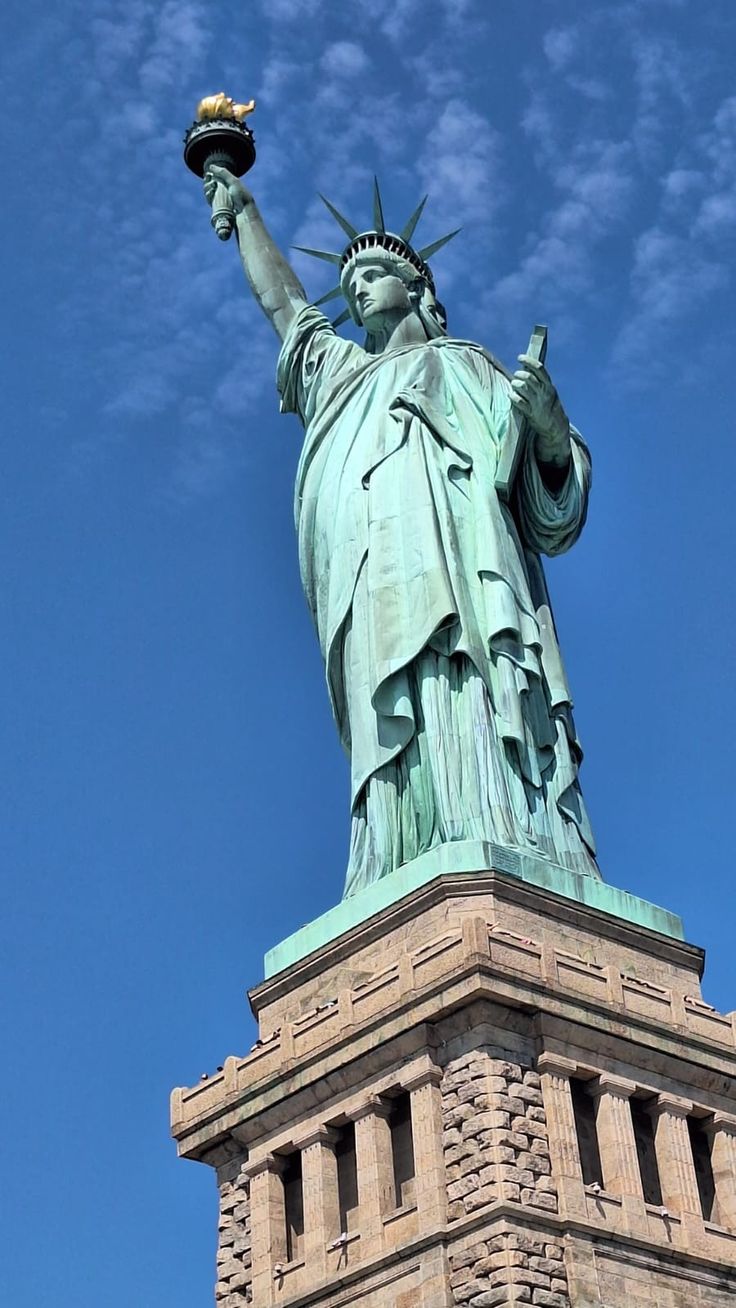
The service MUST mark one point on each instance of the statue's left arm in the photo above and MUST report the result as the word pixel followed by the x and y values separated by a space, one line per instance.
pixel 553 480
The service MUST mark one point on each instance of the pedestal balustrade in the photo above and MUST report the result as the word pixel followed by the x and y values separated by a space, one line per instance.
pixel 555 1072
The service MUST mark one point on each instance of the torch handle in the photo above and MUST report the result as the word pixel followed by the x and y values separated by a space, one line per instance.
pixel 223 215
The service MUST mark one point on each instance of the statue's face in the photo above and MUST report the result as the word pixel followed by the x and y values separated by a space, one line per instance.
pixel 378 294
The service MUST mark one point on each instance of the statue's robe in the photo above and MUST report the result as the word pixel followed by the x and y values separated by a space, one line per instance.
pixel 427 591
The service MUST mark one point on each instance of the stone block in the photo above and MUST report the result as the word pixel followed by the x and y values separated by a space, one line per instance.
pixel 505 1154
pixel 527 1126
pixel 547 1265
pixel 503 1258
pixel 461 1276
pixel 522 1275
pixel 539 1164
pixel 466 1292
pixel 488 1121
pixel 228 1269
pixel 546 1299
pixel 509 1071
pixel 538 1199
pixel 456 1116
pixel 497 1084
pixel 240 1280
pixel 516 1140
pixel 485 1195
pixel 492 1298
pixel 518 1175
pixel 466 1257
pixel 546 1184
pixel 528 1094
pixel 472 1163
pixel 459 1189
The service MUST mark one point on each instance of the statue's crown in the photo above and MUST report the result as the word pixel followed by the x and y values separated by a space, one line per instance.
pixel 378 238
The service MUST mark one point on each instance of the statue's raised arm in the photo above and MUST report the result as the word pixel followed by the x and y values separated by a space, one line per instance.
pixel 270 277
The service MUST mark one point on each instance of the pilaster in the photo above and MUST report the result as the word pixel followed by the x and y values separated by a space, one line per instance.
pixel 321 1202
pixel 268 1225
pixel 375 1170
pixel 617 1147
pixel 722 1131
pixel 426 1124
pixel 555 1072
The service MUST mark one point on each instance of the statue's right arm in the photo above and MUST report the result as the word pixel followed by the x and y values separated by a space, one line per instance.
pixel 271 278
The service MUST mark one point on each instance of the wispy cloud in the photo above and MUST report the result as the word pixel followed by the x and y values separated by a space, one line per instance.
pixel 685 256
pixel 593 172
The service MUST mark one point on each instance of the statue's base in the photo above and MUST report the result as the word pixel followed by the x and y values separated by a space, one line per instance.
pixel 469 857
pixel 491 1088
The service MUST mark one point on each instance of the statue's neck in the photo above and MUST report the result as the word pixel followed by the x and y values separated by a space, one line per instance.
pixel 405 329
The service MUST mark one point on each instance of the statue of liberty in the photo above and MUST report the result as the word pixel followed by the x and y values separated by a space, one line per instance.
pixel 423 579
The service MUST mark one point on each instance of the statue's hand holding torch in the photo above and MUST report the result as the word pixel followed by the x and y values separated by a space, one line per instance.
pixel 219 148
pixel 224 193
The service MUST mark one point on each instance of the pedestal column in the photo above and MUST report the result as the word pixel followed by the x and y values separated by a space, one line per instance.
pixel 617 1147
pixel 722 1132
pixel 321 1202
pixel 675 1156
pixel 677 1175
pixel 268 1224
pixel 555 1072
pixel 429 1159
pixel 374 1165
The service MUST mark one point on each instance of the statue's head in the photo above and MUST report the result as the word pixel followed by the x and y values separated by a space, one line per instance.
pixel 383 277
pixel 382 285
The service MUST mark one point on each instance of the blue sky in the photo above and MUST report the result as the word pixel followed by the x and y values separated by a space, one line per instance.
pixel 175 797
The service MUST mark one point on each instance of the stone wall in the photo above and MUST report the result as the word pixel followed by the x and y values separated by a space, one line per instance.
pixel 509 1269
pixel 234 1270
pixel 495 1134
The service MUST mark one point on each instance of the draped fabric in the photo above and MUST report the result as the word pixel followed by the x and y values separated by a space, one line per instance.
pixel 429 599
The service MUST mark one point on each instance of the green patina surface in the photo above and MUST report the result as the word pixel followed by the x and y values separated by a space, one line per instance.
pixel 431 483
pixel 468 857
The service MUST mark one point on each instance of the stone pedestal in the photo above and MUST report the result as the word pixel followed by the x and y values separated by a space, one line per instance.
pixel 487 1038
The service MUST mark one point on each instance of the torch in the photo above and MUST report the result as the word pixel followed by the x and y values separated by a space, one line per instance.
pixel 219 136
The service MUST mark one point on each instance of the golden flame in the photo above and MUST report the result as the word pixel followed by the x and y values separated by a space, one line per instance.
pixel 222 106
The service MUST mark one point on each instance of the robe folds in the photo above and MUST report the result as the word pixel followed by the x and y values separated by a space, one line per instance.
pixel 429 599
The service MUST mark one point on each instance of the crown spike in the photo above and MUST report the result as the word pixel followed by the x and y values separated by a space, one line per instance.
pixel 378 220
pixel 429 250
pixel 408 230
pixel 347 226
pixel 330 295
pixel 343 317
pixel 319 254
